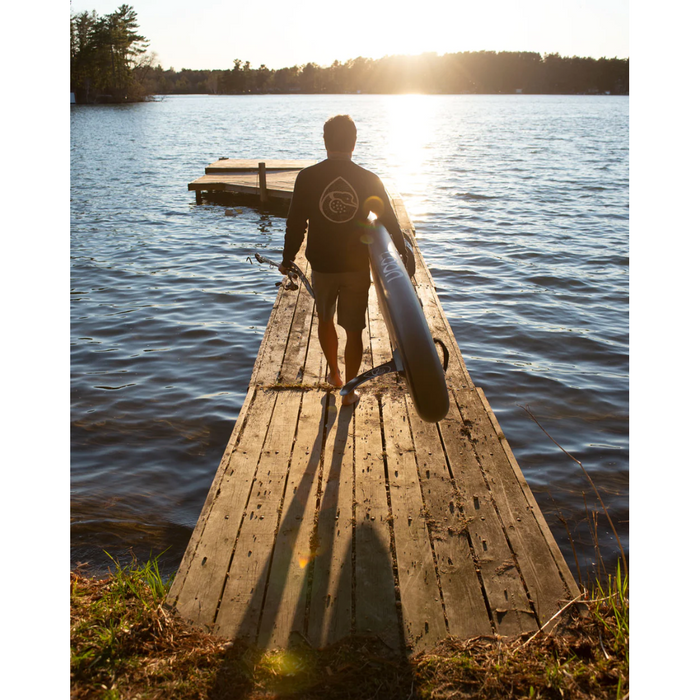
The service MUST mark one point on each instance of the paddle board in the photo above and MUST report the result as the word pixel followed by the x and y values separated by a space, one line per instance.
pixel 414 354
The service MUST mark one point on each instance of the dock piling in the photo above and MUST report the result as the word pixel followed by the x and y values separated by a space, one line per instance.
pixel 262 175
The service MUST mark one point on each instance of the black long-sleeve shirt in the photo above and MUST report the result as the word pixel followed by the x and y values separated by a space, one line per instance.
pixel 334 197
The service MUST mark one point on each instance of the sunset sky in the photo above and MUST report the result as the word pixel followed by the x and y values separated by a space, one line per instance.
pixel 211 35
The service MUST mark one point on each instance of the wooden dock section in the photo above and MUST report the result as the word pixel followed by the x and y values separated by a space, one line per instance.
pixel 261 178
pixel 326 521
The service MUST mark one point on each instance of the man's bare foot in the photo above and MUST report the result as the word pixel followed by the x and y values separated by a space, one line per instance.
pixel 334 379
pixel 351 398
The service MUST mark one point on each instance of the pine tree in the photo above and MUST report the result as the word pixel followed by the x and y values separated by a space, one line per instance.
pixel 104 53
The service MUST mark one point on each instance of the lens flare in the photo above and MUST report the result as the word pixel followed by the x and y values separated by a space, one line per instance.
pixel 286 663
pixel 375 206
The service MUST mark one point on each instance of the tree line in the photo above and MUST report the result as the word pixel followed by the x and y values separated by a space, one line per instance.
pixel 470 72
pixel 108 64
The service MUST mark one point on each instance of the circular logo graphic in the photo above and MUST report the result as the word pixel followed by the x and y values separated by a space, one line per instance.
pixel 339 202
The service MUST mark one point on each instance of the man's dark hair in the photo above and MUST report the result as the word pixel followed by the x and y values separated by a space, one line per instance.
pixel 340 134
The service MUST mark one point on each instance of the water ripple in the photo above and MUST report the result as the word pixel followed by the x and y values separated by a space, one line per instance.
pixel 521 210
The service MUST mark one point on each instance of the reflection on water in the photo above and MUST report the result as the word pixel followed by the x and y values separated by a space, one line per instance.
pixel 521 210
pixel 409 133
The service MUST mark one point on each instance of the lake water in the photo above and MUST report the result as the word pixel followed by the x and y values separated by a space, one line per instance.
pixel 521 209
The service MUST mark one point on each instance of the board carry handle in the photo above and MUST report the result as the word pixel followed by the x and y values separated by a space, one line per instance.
pixel 445 353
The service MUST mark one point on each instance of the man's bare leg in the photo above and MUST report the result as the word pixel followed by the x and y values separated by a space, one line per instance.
pixel 328 337
pixel 353 359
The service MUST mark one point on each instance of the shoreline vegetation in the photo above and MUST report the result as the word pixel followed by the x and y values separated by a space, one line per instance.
pixel 126 644
pixel 109 63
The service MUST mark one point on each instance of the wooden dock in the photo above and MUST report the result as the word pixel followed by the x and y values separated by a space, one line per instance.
pixel 326 521
pixel 265 179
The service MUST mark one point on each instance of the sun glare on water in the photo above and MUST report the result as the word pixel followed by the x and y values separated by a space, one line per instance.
pixel 409 133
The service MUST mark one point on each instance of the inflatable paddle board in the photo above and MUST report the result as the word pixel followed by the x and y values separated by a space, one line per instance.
pixel 414 354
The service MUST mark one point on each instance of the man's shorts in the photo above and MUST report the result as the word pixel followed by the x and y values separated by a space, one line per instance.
pixel 349 289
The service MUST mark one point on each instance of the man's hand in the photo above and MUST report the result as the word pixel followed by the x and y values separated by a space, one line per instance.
pixel 286 271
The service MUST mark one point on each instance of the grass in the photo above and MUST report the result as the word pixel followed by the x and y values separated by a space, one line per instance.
pixel 125 644
pixel 611 610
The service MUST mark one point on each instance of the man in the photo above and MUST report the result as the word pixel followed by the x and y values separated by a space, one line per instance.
pixel 335 197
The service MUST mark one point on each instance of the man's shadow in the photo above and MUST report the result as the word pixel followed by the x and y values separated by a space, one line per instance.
pixel 292 563
pixel 307 586
pixel 305 567
pixel 293 557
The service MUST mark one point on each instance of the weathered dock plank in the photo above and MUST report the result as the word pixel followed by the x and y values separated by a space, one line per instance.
pixel 244 590
pixel 326 521
pixel 421 599
pixel 376 601
pixel 505 592
pixel 296 353
pixel 285 602
pixel 465 606
pixel 545 583
pixel 330 612
pixel 572 589
pixel 204 578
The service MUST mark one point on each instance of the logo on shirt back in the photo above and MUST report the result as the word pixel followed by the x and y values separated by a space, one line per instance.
pixel 339 202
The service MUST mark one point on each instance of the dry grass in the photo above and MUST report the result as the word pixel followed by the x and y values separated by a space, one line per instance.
pixel 125 644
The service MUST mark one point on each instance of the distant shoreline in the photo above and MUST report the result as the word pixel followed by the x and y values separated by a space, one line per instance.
pixel 466 73
pixel 161 96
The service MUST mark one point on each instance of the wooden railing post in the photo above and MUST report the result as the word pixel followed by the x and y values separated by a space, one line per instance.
pixel 263 181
